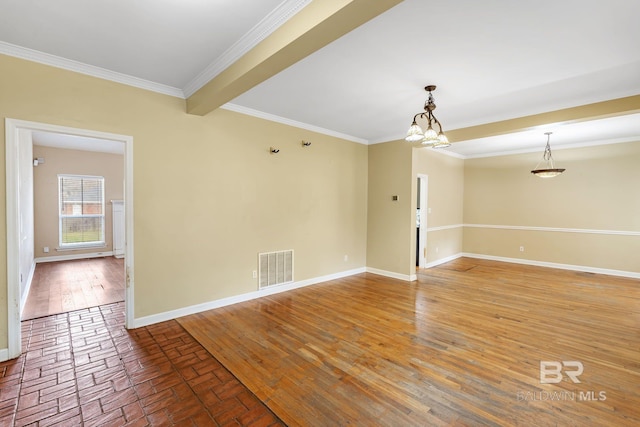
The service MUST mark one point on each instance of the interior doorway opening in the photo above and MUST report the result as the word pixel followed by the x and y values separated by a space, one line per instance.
pixel 421 220
pixel 20 217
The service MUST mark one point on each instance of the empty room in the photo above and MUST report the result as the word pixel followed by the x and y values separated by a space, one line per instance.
pixel 320 213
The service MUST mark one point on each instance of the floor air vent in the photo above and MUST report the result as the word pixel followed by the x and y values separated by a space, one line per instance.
pixel 275 268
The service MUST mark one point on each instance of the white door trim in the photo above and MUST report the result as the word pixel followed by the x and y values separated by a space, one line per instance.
pixel 422 243
pixel 13 214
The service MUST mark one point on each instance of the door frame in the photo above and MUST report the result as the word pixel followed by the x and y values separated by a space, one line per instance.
pixel 12 141
pixel 422 200
pixel 422 241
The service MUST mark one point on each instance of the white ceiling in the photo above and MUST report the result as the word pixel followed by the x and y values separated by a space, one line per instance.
pixel 75 142
pixel 491 60
pixel 612 130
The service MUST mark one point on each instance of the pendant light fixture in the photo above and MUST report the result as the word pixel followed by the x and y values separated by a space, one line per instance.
pixel 428 137
pixel 546 167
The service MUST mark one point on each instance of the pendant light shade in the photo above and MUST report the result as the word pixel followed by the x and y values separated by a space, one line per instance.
pixel 414 134
pixel 546 167
pixel 428 137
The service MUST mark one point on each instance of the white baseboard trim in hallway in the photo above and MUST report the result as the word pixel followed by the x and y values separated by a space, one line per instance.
pixel 72 257
pixel 393 274
pixel 443 260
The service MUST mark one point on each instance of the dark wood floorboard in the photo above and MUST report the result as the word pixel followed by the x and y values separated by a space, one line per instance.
pixel 63 286
pixel 461 346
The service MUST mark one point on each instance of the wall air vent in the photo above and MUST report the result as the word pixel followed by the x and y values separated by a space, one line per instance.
pixel 275 268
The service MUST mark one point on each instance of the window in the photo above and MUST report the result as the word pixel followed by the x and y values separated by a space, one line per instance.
pixel 81 211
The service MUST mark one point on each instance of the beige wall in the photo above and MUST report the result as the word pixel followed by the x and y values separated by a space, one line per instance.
pixel 444 199
pixel 208 194
pixel 391 238
pixel 45 182
pixel 391 224
pixel 599 191
pixel 596 202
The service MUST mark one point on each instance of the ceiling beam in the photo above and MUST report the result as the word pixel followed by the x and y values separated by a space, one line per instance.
pixel 315 26
pixel 597 110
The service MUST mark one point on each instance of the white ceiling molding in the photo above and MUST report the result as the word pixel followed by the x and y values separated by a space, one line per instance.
pixel 449 153
pixel 289 122
pixel 555 148
pixel 262 30
pixel 77 142
pixel 370 72
pixel 90 70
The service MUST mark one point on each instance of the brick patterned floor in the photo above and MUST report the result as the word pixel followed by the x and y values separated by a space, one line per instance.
pixel 85 368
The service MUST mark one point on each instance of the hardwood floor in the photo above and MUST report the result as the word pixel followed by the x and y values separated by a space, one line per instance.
pixel 60 287
pixel 461 346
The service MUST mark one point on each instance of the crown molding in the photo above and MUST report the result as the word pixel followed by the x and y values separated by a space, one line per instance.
pixel 522 151
pixel 289 122
pixel 261 31
pixel 555 147
pixel 90 70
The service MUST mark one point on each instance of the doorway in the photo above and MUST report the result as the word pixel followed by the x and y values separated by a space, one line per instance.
pixel 421 220
pixel 20 235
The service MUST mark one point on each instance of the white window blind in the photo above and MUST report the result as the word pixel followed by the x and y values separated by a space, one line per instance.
pixel 81 211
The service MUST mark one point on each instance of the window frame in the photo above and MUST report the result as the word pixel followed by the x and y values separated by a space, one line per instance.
pixel 62 216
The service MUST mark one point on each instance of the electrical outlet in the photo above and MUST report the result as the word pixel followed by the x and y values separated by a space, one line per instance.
pixel 437 249
pixel 45 249
pixel 521 248
pixel 255 274
pixel 346 258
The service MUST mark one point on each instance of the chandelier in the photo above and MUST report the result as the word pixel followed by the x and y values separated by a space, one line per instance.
pixel 546 167
pixel 428 137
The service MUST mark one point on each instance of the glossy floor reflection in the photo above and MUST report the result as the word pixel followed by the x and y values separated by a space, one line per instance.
pixel 62 286
pixel 462 345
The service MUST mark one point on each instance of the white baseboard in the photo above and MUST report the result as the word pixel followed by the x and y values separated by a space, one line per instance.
pixel 25 294
pixel 4 354
pixel 173 314
pixel 443 260
pixel 185 311
pixel 621 273
pixel 393 275
pixel 72 257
